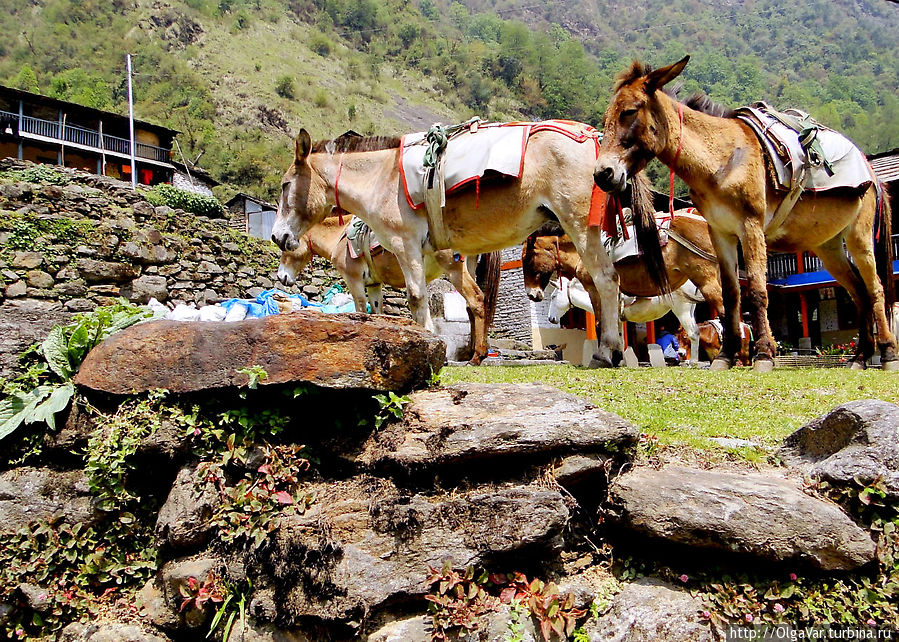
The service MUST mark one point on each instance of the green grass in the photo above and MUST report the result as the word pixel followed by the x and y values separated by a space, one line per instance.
pixel 684 407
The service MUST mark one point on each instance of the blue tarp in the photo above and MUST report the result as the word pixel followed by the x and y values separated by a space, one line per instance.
pixel 819 278
pixel 264 305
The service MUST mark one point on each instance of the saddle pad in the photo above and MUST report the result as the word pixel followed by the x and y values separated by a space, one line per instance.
pixel 356 233
pixel 468 156
pixel 782 146
pixel 624 247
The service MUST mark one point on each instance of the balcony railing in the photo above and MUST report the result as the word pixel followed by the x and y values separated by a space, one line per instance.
pixel 85 137
pixel 781 266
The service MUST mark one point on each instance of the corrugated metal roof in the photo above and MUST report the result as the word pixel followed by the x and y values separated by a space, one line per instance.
pixel 886 166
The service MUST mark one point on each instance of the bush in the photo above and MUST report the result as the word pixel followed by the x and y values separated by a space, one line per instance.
pixel 320 44
pixel 182 199
pixel 284 87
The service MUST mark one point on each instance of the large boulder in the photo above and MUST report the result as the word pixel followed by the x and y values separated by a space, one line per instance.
pixel 649 610
pixel 752 513
pixel 856 441
pixel 477 422
pixel 183 521
pixel 22 323
pixel 34 494
pixel 363 544
pixel 333 351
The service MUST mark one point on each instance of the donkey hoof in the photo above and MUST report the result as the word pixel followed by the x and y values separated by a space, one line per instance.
pixel 720 363
pixel 600 362
pixel 763 365
pixel 858 365
pixel 890 365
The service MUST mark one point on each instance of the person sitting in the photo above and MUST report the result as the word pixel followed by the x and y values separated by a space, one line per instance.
pixel 669 345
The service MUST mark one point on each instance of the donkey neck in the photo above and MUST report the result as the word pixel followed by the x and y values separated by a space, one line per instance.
pixel 324 236
pixel 357 180
pixel 699 146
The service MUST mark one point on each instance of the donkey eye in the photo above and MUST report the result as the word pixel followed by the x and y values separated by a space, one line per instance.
pixel 628 113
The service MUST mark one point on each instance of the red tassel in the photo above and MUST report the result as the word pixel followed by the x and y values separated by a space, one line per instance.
pixel 597 215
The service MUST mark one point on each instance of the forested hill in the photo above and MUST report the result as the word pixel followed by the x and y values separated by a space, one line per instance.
pixel 239 77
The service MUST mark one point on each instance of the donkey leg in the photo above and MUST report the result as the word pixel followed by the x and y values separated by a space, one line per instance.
pixel 604 298
pixel 461 278
pixel 412 265
pixel 375 298
pixel 684 310
pixel 837 263
pixel 756 256
pixel 860 245
pixel 726 249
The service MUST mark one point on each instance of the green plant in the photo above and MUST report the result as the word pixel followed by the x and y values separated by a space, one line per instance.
pixel 517 612
pixel 390 406
pixel 554 612
pixel 255 374
pixel 108 459
pixel 458 599
pixel 176 198
pixel 195 595
pixel 63 351
pixel 253 507
pixel 233 608
pixel 285 87
pixel 46 174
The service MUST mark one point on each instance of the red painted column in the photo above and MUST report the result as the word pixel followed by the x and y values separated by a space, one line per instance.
pixel 651 332
pixel 591 327
pixel 803 302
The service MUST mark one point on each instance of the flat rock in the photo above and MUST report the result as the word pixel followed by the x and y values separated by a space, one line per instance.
pixel 22 323
pixel 752 513
pixel 650 610
pixel 333 351
pixel 183 520
pixel 31 494
pixel 857 440
pixel 491 627
pixel 472 421
pixel 363 544
pixel 108 632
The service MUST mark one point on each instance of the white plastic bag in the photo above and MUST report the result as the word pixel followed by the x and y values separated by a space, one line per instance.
pixel 184 313
pixel 212 313
pixel 237 312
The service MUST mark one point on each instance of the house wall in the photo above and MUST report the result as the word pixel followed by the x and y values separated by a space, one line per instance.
pixel 513 319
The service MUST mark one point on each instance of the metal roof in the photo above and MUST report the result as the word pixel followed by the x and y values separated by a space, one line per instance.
pixel 886 165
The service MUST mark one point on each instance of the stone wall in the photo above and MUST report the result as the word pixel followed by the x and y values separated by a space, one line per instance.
pixel 69 247
pixel 513 309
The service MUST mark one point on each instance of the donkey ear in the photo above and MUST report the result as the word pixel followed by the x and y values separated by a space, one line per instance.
pixel 303 145
pixel 661 77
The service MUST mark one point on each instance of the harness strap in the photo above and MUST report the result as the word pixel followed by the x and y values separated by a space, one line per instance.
pixel 340 210
pixel 690 245
pixel 680 140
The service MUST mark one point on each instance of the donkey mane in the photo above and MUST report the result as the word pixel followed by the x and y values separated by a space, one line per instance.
pixel 701 102
pixel 632 73
pixel 356 144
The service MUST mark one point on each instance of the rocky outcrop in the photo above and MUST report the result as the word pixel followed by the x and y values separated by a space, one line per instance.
pixel 755 514
pixel 376 353
pixel 108 632
pixel 467 423
pixel 183 520
pixel 373 544
pixel 858 441
pixel 38 494
pixel 650 610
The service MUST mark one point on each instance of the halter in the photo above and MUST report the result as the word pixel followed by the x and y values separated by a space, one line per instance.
pixel 340 210
pixel 680 140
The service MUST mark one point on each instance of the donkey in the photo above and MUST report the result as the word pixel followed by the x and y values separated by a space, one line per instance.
pixel 365 275
pixel 555 183
pixel 723 163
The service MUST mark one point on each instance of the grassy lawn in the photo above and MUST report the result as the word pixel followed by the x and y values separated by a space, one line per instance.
pixel 684 407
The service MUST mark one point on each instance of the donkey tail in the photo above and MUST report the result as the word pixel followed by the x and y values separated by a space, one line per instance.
pixel 647 232
pixel 487 275
pixel 883 250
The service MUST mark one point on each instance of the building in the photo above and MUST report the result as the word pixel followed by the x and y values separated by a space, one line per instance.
pixel 251 215
pixel 46 130
pixel 191 178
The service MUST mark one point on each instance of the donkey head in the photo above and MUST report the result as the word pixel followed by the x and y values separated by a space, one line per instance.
pixel 539 261
pixel 304 197
pixel 560 301
pixel 293 263
pixel 635 126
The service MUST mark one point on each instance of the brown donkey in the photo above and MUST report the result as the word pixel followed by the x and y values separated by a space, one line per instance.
pixel 692 257
pixel 721 160
pixel 364 276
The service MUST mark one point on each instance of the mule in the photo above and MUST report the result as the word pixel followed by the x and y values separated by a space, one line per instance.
pixel 364 275
pixel 710 341
pixel 688 255
pixel 363 175
pixel 723 163
pixel 571 293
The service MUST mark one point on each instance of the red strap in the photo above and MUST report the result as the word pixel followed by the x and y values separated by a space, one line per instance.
pixel 680 139
pixel 336 192
pixel 597 215
pixel 477 191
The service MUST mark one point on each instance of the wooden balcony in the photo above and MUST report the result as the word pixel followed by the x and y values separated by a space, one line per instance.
pixel 60 133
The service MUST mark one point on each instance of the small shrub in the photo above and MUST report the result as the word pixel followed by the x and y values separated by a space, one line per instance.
pixel 285 87
pixel 321 99
pixel 320 44
pixel 192 202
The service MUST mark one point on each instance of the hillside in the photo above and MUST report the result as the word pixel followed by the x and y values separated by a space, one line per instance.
pixel 239 77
